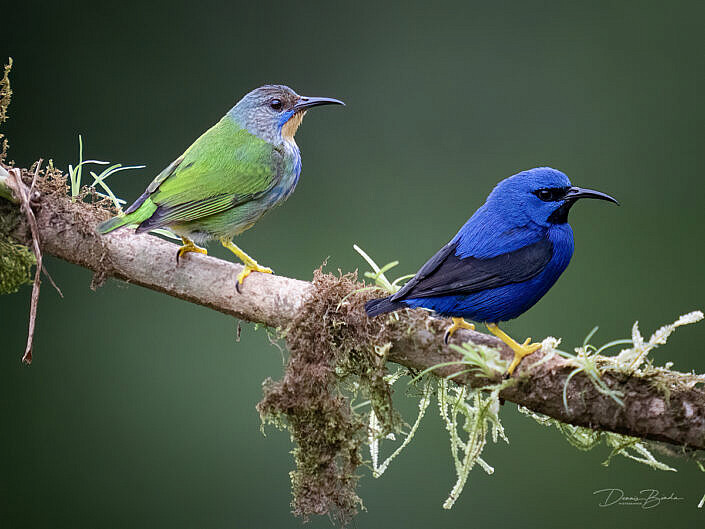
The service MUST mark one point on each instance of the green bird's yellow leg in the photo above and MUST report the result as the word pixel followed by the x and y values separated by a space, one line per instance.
pixel 189 246
pixel 458 323
pixel 520 350
pixel 250 264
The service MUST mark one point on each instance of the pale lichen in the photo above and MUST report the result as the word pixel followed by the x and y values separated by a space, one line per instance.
pixel 468 415
pixel 376 433
pixel 479 412
pixel 633 361
pixel 587 439
pixel 636 356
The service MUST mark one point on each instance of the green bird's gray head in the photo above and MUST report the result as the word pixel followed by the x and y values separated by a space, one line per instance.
pixel 274 112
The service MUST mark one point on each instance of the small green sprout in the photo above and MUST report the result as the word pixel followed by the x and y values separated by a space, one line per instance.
pixel 590 360
pixel 586 361
pixel 378 274
pixel 76 178
pixel 76 172
pixel 479 359
pixel 100 180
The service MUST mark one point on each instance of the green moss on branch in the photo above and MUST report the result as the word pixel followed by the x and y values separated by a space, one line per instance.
pixel 330 362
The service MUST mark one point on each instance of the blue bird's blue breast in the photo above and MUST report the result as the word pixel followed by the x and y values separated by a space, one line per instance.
pixel 508 252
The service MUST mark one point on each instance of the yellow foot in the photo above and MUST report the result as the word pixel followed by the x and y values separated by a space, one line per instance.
pixel 189 246
pixel 520 350
pixel 458 323
pixel 250 264
pixel 249 268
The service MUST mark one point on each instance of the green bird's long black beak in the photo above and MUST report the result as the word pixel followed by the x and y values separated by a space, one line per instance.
pixel 575 193
pixel 307 102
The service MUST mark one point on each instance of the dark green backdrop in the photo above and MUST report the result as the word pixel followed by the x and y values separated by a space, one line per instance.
pixel 139 409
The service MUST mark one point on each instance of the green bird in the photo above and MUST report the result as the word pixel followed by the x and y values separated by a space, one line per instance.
pixel 239 169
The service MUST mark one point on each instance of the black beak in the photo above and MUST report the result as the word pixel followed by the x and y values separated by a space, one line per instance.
pixel 307 102
pixel 575 193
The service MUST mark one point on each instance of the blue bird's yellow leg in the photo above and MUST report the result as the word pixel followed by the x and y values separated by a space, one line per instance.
pixel 458 323
pixel 189 246
pixel 520 350
pixel 250 264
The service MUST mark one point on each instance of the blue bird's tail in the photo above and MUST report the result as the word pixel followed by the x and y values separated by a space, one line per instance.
pixel 375 307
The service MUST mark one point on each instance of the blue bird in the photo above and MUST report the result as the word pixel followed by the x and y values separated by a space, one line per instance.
pixel 502 261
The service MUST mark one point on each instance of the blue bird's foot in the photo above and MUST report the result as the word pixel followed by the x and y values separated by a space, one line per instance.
pixel 189 246
pixel 520 350
pixel 458 323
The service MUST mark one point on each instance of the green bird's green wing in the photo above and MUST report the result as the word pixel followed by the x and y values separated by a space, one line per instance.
pixel 226 167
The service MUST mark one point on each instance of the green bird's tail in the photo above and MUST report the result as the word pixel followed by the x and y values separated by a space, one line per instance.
pixel 142 213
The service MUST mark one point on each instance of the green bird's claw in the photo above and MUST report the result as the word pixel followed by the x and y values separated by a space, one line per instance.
pixel 189 246
pixel 249 268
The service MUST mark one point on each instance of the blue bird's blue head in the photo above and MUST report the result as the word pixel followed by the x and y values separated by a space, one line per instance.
pixel 274 112
pixel 542 195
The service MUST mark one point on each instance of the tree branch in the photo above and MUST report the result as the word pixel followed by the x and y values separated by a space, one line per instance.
pixel 675 413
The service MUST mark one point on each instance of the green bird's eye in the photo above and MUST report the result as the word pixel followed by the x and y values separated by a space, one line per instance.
pixel 275 104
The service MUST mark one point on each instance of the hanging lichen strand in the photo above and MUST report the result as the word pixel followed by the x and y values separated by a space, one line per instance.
pixel 328 366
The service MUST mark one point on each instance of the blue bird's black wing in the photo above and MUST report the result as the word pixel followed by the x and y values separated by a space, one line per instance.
pixel 446 274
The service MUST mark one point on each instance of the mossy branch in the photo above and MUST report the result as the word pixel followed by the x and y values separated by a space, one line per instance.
pixel 661 405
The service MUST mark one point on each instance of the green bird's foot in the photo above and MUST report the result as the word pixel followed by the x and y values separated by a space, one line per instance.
pixel 189 246
pixel 249 268
pixel 250 264
pixel 458 323
pixel 520 350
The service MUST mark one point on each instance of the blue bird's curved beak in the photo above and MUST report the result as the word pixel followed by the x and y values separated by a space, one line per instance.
pixel 575 193
pixel 305 103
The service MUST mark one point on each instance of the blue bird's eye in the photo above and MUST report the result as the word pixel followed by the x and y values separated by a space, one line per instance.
pixel 551 194
pixel 275 104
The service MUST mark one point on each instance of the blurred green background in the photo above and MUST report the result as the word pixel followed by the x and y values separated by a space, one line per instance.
pixel 138 410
